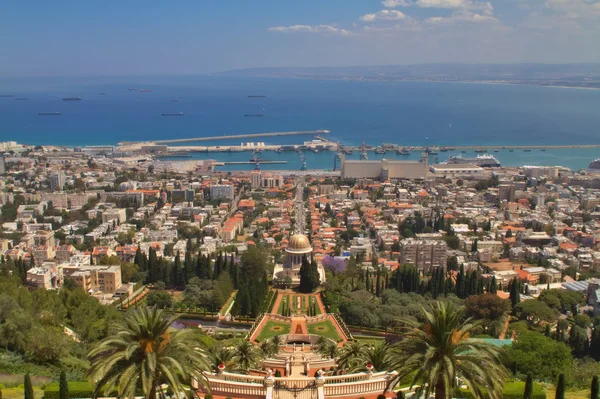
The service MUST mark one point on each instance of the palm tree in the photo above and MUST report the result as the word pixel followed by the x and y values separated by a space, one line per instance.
pixel 330 350
pixel 244 355
pixel 350 354
pixel 321 344
pixel 144 353
pixel 276 342
pixel 219 355
pixel 265 348
pixel 440 352
pixel 379 356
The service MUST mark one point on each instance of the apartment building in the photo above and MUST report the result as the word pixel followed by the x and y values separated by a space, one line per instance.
pixel 95 278
pixel 423 254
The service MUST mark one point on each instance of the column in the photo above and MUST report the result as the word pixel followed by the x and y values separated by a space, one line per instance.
pixel 269 382
pixel 320 380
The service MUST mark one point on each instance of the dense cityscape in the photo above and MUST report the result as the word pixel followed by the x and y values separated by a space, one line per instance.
pixel 126 275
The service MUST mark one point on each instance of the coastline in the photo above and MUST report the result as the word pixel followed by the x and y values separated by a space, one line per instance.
pixel 365 79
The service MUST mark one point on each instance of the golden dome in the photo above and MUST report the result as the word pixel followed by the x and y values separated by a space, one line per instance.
pixel 299 242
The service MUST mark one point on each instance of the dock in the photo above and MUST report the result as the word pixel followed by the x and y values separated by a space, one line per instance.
pixel 217 163
pixel 232 137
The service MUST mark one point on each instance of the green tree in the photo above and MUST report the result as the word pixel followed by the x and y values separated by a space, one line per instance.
pixel 515 292
pixel 535 310
pixel 220 355
pixel 350 354
pixel 63 388
pixel 160 299
pixel 594 392
pixel 438 351
pixel 535 353
pixel 245 355
pixel 528 394
pixel 144 353
pixel 27 387
pixel 560 387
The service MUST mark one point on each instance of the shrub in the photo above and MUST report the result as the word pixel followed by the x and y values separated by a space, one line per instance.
pixel 77 389
pixel 514 390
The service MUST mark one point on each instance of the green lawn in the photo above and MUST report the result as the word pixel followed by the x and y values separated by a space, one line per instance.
pixel 368 339
pixel 324 328
pixel 17 393
pixel 273 328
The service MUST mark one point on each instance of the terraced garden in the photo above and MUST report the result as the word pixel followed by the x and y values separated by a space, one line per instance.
pixel 325 329
pixel 298 305
pixel 272 328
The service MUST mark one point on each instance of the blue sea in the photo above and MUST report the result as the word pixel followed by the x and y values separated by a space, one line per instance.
pixel 405 113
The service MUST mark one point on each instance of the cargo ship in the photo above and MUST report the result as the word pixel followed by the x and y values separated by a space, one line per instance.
pixel 256 96
pixel 48 113
pixel 132 89
pixel 20 98
pixel 484 161
pixel 7 95
pixel 103 94
pixel 145 91
pixel 254 114
pixel 173 114
pixel 379 150
pixel 72 99
pixel 403 151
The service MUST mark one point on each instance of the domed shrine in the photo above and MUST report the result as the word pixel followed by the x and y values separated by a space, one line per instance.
pixel 298 248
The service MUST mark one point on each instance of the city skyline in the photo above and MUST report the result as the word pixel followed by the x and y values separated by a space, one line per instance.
pixel 82 39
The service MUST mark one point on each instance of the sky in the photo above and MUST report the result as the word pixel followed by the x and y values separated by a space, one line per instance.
pixel 134 37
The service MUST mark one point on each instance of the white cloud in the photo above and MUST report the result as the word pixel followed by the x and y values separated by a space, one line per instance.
pixel 311 29
pixel 462 16
pixel 448 4
pixel 576 9
pixel 395 3
pixel 384 15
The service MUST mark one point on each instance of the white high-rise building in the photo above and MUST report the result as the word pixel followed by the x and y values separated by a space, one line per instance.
pixel 57 181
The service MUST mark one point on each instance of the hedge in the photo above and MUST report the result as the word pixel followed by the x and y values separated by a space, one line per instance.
pixel 514 390
pixel 76 390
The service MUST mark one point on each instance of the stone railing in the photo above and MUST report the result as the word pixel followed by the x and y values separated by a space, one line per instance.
pixel 229 388
pixel 355 388
pixel 314 319
pixel 230 384
pixel 246 379
pixel 278 317
pixel 343 379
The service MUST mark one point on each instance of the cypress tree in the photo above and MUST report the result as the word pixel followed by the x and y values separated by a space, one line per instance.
pixel 547 333
pixel 378 283
pixel 560 387
pixel 27 387
pixel 188 266
pixel 63 392
pixel 515 294
pixel 528 387
pixel 460 282
pixel 595 388
pixel 595 343
pixel 493 286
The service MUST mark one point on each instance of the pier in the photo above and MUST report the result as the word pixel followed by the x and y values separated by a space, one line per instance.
pixel 232 137
pixel 248 163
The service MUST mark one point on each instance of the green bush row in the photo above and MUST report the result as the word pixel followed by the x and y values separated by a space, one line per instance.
pixel 77 389
pixel 514 390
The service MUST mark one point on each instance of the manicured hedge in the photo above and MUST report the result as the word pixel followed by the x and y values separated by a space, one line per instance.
pixel 76 390
pixel 514 390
